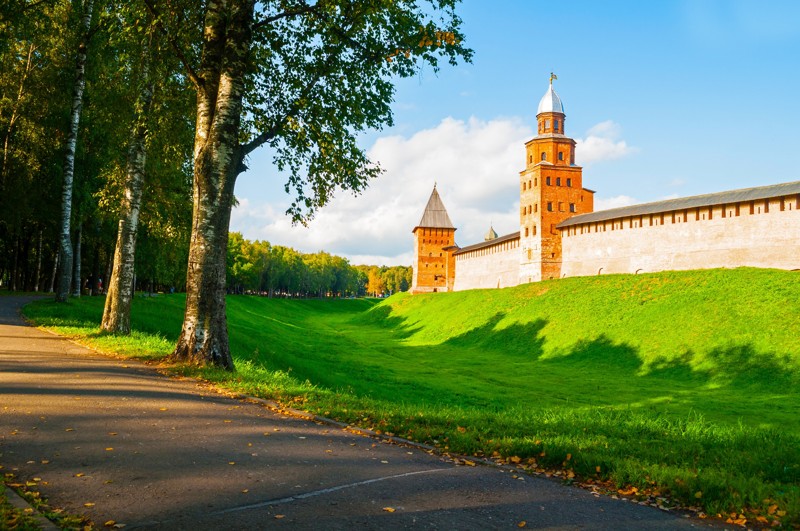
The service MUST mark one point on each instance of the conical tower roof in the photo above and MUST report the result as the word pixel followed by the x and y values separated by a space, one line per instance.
pixel 491 235
pixel 435 215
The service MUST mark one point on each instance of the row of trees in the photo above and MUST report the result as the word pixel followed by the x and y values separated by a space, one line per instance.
pixel 126 123
pixel 275 270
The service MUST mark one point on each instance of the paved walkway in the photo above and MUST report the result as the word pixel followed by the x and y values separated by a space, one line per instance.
pixel 117 441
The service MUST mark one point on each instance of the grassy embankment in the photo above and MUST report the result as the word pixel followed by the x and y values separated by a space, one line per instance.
pixel 681 384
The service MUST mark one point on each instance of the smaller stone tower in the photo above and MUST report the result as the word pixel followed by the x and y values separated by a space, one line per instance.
pixel 434 245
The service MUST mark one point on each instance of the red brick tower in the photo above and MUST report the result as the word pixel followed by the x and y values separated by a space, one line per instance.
pixel 551 190
pixel 434 244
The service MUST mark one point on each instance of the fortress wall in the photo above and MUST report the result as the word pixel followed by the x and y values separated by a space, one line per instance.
pixel 688 239
pixel 489 267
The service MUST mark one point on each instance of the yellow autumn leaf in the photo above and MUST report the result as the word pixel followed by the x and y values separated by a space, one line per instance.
pixel 698 494
pixel 88 504
pixel 522 524
pixel 110 523
pixel 279 516
pixel 389 509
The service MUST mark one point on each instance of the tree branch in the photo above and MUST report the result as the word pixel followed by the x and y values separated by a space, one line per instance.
pixel 286 14
pixel 198 83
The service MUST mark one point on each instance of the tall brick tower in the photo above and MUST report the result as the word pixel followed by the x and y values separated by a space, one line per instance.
pixel 434 245
pixel 551 190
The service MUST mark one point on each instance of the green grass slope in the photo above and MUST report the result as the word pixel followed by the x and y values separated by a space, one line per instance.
pixel 682 383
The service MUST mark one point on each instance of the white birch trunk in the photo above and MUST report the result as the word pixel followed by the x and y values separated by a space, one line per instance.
pixel 65 244
pixel 217 162
pixel 117 310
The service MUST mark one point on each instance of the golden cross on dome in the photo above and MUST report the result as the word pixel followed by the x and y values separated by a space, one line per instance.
pixel 552 77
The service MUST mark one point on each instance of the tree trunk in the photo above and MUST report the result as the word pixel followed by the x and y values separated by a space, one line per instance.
pixel 218 160
pixel 95 286
pixel 117 310
pixel 55 271
pixel 15 265
pixel 38 264
pixel 76 280
pixel 69 159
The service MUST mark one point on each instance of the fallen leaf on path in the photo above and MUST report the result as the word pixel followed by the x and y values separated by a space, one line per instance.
pixel 70 429
pixel 79 475
pixel 45 462
pixel 245 491
pixel 109 449
pixel 88 504
pixel 522 524
pixel 163 409
pixel 279 516
pixel 231 462
pixel 110 523
pixel 389 509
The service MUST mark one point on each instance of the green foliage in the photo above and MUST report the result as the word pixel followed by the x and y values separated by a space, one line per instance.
pixel 259 267
pixel 676 383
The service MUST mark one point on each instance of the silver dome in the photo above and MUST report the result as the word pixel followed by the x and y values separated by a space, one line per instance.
pixel 550 102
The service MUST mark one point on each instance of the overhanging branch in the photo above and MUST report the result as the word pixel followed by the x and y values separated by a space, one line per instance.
pixel 198 83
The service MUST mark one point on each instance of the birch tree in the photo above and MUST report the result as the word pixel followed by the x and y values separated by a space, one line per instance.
pixel 65 241
pixel 304 78
pixel 117 310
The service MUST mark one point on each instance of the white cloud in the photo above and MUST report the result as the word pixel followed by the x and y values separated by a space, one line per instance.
pixel 602 143
pixel 606 203
pixel 474 163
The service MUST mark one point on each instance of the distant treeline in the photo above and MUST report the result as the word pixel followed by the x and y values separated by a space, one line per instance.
pixel 259 267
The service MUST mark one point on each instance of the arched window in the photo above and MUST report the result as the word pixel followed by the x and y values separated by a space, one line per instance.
pixel 555 126
pixel 560 155
pixel 544 155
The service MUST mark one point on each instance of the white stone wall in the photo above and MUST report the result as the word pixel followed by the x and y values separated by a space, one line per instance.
pixel 496 266
pixel 759 240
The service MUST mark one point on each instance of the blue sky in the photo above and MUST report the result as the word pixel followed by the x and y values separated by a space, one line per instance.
pixel 665 98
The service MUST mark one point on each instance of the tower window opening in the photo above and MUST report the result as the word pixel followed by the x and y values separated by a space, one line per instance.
pixel 572 207
pixel 524 184
pixel 560 206
pixel 536 208
pixel 549 206
pixel 560 155
pixel 544 155
pixel 530 159
pixel 569 182
pixel 547 124
pixel 558 181
pixel 536 183
pixel 547 181
pixel 766 206
pixel 555 126
pixel 526 232
pixel 530 209
pixel 534 230
pixel 529 183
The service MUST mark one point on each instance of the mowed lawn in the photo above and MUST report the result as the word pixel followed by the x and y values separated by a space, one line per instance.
pixel 684 384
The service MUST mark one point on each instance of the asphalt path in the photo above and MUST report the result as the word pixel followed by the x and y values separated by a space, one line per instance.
pixel 117 441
